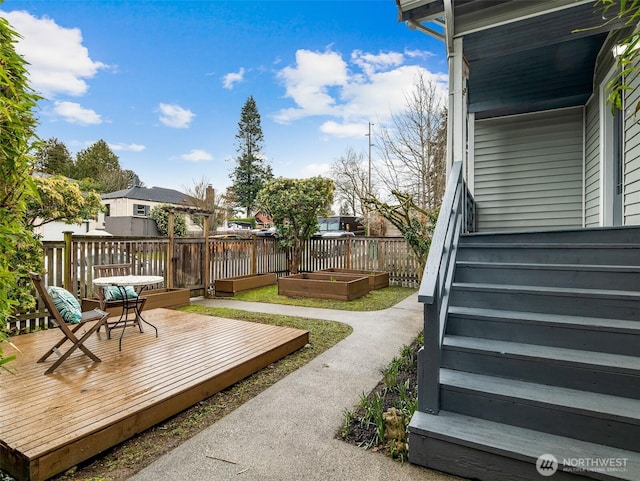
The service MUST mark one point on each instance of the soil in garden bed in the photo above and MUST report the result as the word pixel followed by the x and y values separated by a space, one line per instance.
pixel 360 426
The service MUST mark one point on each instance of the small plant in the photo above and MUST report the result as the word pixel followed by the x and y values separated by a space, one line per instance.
pixel 384 414
pixel 346 425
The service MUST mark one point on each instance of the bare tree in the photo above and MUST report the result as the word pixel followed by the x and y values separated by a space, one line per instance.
pixel 350 178
pixel 203 196
pixel 411 148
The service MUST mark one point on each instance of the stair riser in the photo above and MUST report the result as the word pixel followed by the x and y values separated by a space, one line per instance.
pixel 570 337
pixel 604 307
pixel 582 279
pixel 480 464
pixel 543 371
pixel 626 235
pixel 554 255
pixel 546 418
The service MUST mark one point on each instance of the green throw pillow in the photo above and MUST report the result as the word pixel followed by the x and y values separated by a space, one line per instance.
pixel 66 303
pixel 114 293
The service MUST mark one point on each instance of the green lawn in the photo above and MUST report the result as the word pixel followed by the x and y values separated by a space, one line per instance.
pixel 373 301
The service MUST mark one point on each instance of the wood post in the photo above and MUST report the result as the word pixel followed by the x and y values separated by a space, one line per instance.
pixel 347 253
pixel 254 254
pixel 205 273
pixel 170 251
pixel 68 235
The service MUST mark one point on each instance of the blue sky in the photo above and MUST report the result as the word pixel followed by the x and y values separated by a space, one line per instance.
pixel 163 82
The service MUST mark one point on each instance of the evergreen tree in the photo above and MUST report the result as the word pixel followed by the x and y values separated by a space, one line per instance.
pixel 251 171
pixel 54 158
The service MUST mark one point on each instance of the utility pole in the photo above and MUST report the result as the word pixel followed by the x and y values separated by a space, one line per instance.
pixel 369 183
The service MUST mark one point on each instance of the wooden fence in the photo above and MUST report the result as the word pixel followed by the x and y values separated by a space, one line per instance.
pixel 181 261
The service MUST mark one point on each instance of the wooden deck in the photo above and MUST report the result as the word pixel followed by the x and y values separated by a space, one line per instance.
pixel 49 423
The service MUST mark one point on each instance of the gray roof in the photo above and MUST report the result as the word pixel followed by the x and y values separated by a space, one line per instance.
pixel 154 194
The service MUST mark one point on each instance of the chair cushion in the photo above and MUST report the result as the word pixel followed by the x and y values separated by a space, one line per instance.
pixel 114 293
pixel 66 303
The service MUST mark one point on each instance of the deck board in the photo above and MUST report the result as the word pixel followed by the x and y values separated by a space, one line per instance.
pixel 49 423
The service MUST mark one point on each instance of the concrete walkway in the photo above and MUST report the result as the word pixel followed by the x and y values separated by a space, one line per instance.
pixel 287 432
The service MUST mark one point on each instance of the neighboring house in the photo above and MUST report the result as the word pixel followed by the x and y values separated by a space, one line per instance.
pixel 531 361
pixel 128 210
pixel 263 221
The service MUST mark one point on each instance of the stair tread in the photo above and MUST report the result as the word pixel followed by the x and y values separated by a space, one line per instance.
pixel 599 360
pixel 549 245
pixel 563 291
pixel 590 403
pixel 519 443
pixel 596 323
pixel 559 267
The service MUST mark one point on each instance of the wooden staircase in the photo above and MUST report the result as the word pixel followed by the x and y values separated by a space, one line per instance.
pixel 539 353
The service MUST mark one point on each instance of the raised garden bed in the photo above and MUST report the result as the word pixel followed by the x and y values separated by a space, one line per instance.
pixel 169 298
pixel 231 286
pixel 324 285
pixel 377 279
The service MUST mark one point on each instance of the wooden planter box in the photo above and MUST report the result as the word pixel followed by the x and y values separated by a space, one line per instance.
pixel 169 298
pixel 324 285
pixel 234 285
pixel 377 279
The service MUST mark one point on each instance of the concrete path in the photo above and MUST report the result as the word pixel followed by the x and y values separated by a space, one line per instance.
pixel 287 433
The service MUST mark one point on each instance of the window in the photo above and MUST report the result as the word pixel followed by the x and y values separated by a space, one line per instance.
pixel 108 211
pixel 140 210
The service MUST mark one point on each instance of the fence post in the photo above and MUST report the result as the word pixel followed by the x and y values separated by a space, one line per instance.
pixel 67 260
pixel 205 274
pixel 254 255
pixel 347 253
pixel 171 250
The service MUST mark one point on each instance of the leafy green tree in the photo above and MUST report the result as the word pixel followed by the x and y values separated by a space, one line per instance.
pixel 295 205
pixel 161 216
pixel 17 138
pixel 251 171
pixel 627 55
pixel 99 169
pixel 53 157
pixel 61 200
pixel 95 160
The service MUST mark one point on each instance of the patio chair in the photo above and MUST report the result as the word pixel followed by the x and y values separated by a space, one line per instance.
pixel 114 298
pixel 70 315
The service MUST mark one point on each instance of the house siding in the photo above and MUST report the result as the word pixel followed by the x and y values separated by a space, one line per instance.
pixel 592 162
pixel 528 171
pixel 631 183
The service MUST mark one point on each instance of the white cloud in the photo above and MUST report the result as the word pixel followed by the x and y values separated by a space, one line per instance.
pixel 308 83
pixel 231 78
pixel 127 147
pixel 312 170
pixel 74 113
pixel 175 116
pixel 419 53
pixel 197 155
pixel 367 88
pixel 344 130
pixel 371 63
pixel 59 62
